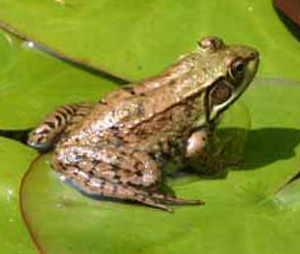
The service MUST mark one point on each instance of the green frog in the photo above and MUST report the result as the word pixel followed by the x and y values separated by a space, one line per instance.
pixel 119 146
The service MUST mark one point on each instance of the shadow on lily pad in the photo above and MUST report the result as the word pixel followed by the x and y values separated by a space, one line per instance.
pixel 267 145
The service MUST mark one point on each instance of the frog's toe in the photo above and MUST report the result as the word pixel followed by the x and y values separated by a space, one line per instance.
pixel 160 206
pixel 166 199
pixel 180 201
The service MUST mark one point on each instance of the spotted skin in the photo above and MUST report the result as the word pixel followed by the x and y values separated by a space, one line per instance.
pixel 118 148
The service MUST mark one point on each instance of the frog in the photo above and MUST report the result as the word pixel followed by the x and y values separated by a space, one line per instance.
pixel 119 146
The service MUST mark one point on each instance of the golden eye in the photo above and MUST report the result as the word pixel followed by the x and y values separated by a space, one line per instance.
pixel 220 93
pixel 238 68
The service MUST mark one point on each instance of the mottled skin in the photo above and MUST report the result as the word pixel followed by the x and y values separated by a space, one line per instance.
pixel 118 147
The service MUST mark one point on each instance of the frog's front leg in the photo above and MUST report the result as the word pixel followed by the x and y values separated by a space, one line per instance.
pixel 115 172
pixel 204 151
pixel 196 143
pixel 62 119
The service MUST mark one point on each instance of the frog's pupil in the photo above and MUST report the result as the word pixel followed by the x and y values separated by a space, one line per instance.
pixel 240 67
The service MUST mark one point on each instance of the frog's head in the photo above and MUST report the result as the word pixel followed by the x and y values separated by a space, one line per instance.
pixel 228 72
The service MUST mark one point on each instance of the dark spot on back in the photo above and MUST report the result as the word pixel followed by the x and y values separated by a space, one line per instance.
pixel 139 173
pixel 172 82
pixel 114 167
pixel 129 89
pixel 117 178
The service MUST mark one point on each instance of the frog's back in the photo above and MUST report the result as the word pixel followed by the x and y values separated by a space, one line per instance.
pixel 124 111
pixel 135 114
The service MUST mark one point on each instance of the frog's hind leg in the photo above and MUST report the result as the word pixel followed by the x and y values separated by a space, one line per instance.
pixel 45 135
pixel 115 173
pixel 96 188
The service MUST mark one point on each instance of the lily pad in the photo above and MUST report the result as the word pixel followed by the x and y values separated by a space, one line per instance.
pixel 31 83
pixel 129 38
pixel 13 232
pixel 251 210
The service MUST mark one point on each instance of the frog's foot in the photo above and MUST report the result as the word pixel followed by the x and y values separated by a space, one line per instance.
pixel 166 199
pixel 159 201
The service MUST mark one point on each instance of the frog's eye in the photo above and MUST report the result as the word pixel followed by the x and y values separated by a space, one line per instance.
pixel 237 69
pixel 220 93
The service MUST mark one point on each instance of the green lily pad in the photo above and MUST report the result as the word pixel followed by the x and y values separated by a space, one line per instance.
pixel 31 83
pixel 251 210
pixel 129 38
pixel 13 232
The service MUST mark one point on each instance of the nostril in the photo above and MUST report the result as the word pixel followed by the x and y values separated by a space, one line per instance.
pixel 254 55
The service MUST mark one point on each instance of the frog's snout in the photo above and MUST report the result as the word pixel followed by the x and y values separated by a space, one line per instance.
pixel 254 55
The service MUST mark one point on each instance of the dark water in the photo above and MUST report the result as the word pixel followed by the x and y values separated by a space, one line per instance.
pixel 18 135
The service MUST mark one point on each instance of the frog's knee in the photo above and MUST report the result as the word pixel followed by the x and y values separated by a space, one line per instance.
pixel 147 169
pixel 41 139
pixel 149 178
